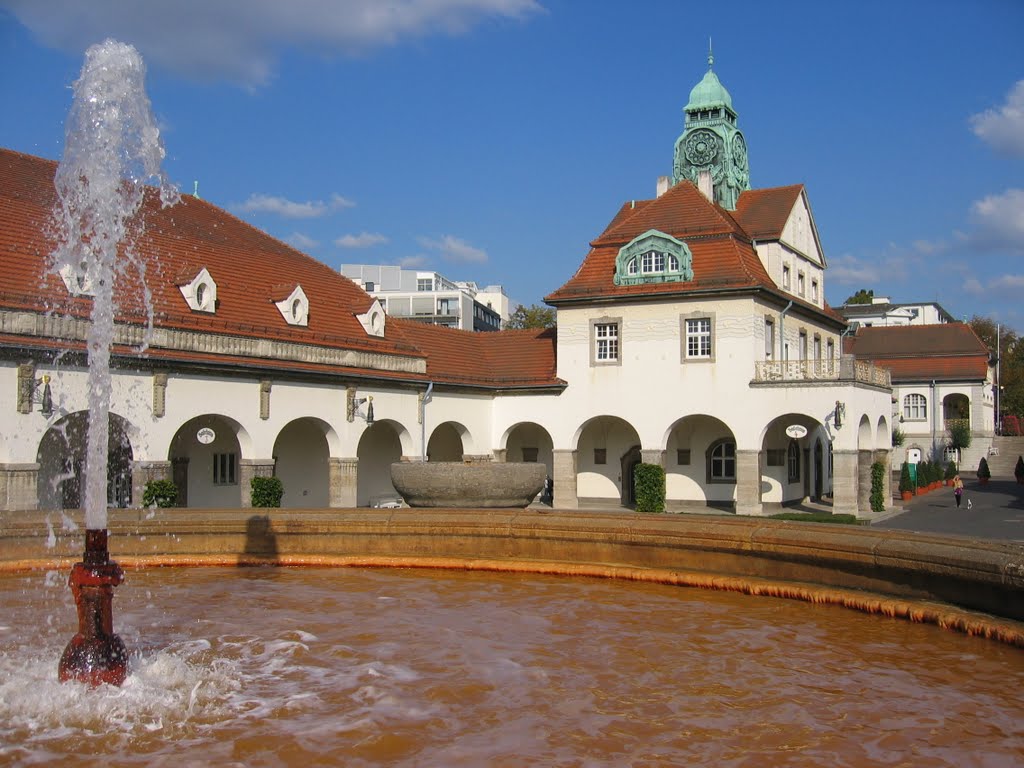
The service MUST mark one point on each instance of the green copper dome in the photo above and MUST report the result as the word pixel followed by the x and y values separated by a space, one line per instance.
pixel 709 92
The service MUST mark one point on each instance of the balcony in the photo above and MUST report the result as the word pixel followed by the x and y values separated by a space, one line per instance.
pixel 821 369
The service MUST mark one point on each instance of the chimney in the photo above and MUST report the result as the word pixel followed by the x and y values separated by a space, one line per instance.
pixel 706 185
pixel 663 184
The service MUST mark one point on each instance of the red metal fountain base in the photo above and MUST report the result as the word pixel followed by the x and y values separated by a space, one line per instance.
pixel 95 655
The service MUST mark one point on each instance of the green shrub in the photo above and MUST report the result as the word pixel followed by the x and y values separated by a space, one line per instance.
pixel 906 484
pixel 650 488
pixel 1018 470
pixel 950 471
pixel 160 493
pixel 267 491
pixel 960 433
pixel 877 487
pixel 922 474
pixel 983 470
pixel 898 438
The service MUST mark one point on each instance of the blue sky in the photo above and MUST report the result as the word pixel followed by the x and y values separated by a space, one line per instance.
pixel 491 140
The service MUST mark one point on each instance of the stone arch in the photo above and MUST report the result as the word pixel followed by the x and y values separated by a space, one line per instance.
pixel 302 453
pixel 62 462
pixel 447 442
pixel 528 441
pixel 795 459
pixel 209 474
pixel 607 448
pixel 865 435
pixel 379 447
pixel 691 444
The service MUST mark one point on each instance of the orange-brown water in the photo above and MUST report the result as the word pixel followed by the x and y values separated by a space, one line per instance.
pixel 283 667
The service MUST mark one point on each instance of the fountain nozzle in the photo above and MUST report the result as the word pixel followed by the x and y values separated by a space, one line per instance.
pixel 95 654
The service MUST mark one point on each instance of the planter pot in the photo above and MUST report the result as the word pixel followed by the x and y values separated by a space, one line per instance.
pixel 983 480
pixel 906 495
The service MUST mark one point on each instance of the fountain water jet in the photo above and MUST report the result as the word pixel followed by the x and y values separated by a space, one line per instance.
pixel 112 148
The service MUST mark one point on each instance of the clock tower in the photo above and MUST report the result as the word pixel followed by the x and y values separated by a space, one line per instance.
pixel 712 152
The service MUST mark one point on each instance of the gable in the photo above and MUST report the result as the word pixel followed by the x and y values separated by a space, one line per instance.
pixel 800 232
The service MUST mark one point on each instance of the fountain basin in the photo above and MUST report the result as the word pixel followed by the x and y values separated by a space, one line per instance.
pixel 490 485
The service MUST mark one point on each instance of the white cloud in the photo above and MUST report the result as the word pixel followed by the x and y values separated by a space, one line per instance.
pixel 413 261
pixel 999 221
pixel 849 270
pixel 1010 285
pixel 1003 128
pixel 973 286
pixel 302 242
pixel 455 250
pixel 240 40
pixel 362 240
pixel 290 209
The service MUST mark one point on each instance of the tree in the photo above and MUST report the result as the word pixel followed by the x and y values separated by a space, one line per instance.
pixel 863 296
pixel 1010 355
pixel 531 317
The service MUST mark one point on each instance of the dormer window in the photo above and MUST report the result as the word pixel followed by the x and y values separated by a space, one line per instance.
pixel 200 292
pixel 295 308
pixel 76 280
pixel 373 320
pixel 653 257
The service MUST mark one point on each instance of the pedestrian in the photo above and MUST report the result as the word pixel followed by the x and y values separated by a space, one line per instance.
pixel 958 490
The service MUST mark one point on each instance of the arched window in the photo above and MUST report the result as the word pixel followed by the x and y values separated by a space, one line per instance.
pixel 722 462
pixel 631 268
pixel 793 462
pixel 915 407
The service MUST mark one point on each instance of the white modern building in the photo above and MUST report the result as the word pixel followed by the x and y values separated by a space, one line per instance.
pixel 883 312
pixel 693 335
pixel 429 297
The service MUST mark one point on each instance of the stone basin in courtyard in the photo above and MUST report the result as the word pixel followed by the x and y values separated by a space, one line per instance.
pixel 498 485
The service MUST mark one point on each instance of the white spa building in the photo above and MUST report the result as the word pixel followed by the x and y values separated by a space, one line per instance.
pixel 694 335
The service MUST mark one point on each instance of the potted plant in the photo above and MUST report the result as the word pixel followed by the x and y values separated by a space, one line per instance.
pixel 906 484
pixel 922 477
pixel 1018 471
pixel 984 473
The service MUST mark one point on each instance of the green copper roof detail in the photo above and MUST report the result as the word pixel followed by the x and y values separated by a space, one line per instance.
pixel 709 92
pixel 711 144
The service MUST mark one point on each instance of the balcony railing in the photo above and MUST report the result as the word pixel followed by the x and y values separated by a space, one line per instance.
pixel 821 369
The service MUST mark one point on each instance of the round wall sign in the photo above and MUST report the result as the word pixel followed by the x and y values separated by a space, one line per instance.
pixel 796 431
pixel 206 435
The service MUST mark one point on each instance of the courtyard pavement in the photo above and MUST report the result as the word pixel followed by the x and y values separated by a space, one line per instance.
pixel 996 512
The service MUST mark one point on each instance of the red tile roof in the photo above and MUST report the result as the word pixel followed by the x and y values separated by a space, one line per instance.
pixel 763 213
pixel 947 351
pixel 723 255
pixel 252 270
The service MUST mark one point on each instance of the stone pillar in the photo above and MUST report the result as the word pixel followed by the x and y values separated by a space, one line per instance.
pixel 844 482
pixel 884 458
pixel 565 480
pixel 651 456
pixel 179 474
pixel 864 483
pixel 748 483
pixel 500 455
pixel 143 472
pixel 18 487
pixel 343 482
pixel 247 470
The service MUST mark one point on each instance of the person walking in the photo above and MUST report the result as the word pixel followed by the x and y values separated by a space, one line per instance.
pixel 958 490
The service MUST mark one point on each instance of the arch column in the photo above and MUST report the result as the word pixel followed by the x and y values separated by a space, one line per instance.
pixel 343 480
pixel 500 455
pixel 844 482
pixel 247 470
pixel 565 468
pixel 863 483
pixel 652 456
pixel 143 472
pixel 748 483
pixel 19 487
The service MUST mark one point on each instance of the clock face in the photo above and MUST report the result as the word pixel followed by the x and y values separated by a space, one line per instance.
pixel 701 147
pixel 739 151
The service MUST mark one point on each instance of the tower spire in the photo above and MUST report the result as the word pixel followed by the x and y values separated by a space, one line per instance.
pixel 711 56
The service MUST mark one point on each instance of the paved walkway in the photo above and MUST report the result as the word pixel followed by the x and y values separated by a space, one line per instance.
pixel 996 512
